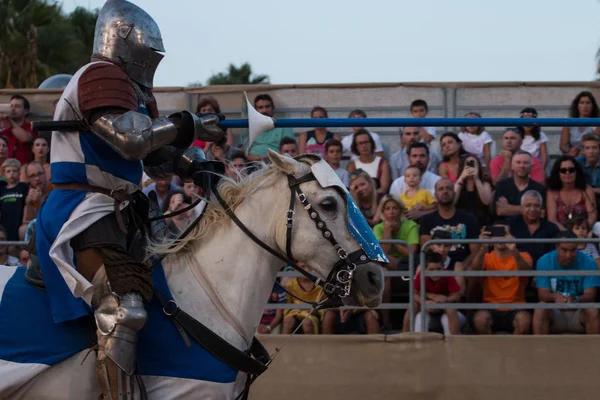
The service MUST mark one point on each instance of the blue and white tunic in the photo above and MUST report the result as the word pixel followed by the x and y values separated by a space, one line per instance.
pixel 80 157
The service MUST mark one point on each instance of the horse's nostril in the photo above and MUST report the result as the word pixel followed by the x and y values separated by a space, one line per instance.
pixel 372 276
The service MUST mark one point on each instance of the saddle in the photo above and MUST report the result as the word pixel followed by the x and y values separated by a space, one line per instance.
pixel 138 232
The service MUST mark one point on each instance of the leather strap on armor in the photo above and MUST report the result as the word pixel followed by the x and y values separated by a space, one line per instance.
pixel 118 195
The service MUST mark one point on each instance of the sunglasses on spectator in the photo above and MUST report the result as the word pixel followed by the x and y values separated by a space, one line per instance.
pixel 356 173
pixel 515 129
pixel 569 170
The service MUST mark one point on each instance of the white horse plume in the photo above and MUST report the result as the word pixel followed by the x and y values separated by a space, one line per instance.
pixel 217 275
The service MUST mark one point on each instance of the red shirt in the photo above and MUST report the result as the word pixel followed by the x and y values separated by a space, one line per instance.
pixel 445 285
pixel 537 173
pixel 17 149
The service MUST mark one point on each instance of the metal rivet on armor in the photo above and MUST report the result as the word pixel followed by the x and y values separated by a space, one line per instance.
pixel 313 215
pixel 363 258
pixel 327 234
pixel 320 225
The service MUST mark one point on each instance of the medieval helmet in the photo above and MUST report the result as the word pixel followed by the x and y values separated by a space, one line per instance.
pixel 128 36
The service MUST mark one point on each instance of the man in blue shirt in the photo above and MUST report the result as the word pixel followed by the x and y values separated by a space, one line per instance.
pixel 566 289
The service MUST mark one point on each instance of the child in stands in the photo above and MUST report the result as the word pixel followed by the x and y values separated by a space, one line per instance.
pixel 438 290
pixel 415 197
pixel 581 228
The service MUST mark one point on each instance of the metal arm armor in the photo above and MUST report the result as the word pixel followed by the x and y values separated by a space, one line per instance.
pixel 134 135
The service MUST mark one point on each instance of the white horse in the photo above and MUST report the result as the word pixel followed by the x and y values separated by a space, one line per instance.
pixel 217 275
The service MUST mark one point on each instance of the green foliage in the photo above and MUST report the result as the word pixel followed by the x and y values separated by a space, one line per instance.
pixel 37 41
pixel 237 76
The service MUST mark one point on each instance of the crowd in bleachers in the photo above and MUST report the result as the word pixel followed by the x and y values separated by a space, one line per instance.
pixel 438 185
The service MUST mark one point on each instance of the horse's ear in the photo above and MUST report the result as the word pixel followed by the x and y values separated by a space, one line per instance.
pixel 286 164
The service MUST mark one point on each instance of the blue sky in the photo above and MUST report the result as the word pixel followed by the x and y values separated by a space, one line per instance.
pixel 348 41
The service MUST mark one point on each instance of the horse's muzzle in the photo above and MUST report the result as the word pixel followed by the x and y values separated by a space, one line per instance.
pixel 367 286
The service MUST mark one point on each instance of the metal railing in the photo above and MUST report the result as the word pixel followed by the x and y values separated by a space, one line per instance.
pixel 410 274
pixel 523 273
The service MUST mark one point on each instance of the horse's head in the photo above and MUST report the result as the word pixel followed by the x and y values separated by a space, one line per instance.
pixel 328 233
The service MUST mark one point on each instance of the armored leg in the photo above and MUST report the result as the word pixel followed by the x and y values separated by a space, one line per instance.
pixel 121 284
pixel 119 318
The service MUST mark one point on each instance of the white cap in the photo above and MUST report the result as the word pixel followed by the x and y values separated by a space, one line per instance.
pixel 596 229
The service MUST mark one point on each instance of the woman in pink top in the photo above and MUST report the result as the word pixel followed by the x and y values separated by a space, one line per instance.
pixel 568 194
pixel 451 150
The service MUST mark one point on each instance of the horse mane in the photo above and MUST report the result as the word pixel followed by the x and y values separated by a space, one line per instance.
pixel 233 193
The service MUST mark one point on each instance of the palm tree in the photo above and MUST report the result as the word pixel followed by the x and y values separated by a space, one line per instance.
pixel 237 76
pixel 20 21
pixel 38 41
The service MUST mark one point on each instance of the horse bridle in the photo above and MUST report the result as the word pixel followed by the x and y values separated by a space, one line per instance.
pixel 337 286
pixel 339 281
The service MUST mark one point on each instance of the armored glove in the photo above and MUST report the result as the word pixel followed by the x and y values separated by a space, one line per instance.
pixel 192 127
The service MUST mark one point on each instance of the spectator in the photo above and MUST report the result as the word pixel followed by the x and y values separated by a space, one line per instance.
pixel 449 265
pixel 534 140
pixel 399 161
pixel 349 139
pixel 452 150
pixel 502 289
pixel 362 189
pixel 501 165
pixel 471 192
pixel 288 146
pixel 39 189
pixel 581 229
pixel 459 223
pixel 340 321
pixel 191 190
pixel 529 224
pixel 418 157
pixel 5 258
pixel 23 257
pixel 271 319
pixel 314 141
pixel 175 201
pixel 509 191
pixel 420 109
pixel 363 146
pixel 3 155
pixel 584 105
pixel 12 200
pixel 220 150
pixel 394 226
pixel 263 103
pixel 418 202
pixel 590 143
pixel 210 105
pixel 566 289
pixel 162 187
pixel 568 194
pixel 40 151
pixel 333 156
pixel 306 289
pixel 17 130
pixel 237 165
pixel 476 140
pixel 438 290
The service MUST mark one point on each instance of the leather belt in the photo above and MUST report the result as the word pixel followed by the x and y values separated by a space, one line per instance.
pixel 119 196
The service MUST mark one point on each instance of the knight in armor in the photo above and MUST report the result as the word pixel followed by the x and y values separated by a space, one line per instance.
pixel 87 225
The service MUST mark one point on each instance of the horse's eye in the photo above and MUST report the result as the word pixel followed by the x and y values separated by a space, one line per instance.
pixel 329 204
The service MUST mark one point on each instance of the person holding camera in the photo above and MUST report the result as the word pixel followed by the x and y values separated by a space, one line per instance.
pixel 501 289
pixel 471 193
